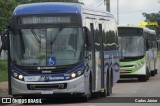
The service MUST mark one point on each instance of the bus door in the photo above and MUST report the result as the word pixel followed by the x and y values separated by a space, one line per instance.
pixel 91 25
pixel 101 35
pixel 99 55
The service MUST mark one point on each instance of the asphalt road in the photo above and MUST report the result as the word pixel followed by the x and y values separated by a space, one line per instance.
pixel 125 90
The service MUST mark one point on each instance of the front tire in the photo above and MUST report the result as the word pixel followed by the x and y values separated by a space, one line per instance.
pixel 86 97
pixel 156 71
pixel 144 78
pixel 153 73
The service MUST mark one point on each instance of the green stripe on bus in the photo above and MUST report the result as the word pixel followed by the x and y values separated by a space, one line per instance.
pixel 137 62
pixel 132 62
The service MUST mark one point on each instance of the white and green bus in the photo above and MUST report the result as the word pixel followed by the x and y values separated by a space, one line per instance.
pixel 153 48
pixel 135 51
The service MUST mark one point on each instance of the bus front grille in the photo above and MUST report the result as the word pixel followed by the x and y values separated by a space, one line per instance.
pixel 128 66
pixel 46 71
pixel 46 86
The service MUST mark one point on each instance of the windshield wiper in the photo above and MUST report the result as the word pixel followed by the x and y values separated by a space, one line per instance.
pixel 55 37
pixel 36 37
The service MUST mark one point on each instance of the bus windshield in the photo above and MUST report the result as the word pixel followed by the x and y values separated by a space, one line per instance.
pixel 47 47
pixel 132 46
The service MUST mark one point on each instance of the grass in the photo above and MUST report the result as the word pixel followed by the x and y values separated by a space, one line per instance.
pixel 159 53
pixel 3 70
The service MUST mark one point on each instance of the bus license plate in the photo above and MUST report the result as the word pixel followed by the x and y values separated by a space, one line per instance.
pixel 46 92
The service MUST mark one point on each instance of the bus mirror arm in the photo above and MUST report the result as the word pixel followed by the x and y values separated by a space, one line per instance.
pixel 147 45
pixel 86 54
pixel 9 30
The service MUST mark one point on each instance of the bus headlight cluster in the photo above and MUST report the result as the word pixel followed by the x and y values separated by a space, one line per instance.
pixel 17 75
pixel 77 73
pixel 137 65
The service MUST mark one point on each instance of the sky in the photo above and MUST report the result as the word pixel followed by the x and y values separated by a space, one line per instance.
pixel 130 11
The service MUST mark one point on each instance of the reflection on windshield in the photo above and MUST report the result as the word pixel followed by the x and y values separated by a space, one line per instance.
pixel 132 46
pixel 51 46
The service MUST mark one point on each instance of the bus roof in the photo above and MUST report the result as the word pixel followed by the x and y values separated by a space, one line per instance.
pixel 57 7
pixel 152 32
pixel 144 28
pixel 47 8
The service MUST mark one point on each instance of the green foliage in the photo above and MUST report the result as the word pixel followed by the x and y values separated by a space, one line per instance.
pixel 3 65
pixel 3 76
pixel 153 17
pixel 6 8
pixel 3 70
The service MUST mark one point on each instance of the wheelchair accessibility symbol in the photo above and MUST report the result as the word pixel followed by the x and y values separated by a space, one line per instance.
pixel 51 61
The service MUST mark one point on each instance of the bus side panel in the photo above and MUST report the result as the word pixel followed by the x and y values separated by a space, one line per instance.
pixel 89 23
pixel 152 59
pixel 114 49
pixel 148 59
pixel 98 63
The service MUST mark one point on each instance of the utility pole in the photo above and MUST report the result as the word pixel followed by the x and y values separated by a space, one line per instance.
pixel 117 11
pixel 107 5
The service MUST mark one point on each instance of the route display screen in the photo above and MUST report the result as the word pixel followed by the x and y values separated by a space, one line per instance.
pixel 44 19
pixel 123 31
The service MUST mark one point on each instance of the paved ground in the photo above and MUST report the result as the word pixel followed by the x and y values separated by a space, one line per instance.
pixel 4 89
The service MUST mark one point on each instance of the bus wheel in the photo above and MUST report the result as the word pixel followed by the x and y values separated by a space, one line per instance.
pixel 153 73
pixel 85 98
pixel 144 78
pixel 156 71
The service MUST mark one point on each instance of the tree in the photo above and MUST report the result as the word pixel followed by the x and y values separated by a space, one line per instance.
pixel 6 9
pixel 153 17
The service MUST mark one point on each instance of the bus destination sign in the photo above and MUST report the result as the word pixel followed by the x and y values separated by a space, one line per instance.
pixel 44 19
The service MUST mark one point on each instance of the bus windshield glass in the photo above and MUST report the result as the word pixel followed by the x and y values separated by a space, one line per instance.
pixel 47 47
pixel 132 46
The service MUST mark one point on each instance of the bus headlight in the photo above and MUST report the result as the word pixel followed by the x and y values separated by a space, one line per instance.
pixel 17 75
pixel 73 75
pixel 77 73
pixel 20 77
pixel 136 65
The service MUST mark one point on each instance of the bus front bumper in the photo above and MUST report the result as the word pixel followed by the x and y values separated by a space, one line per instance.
pixel 73 87
pixel 127 71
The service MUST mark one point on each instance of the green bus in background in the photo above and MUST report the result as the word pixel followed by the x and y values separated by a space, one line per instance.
pixel 136 52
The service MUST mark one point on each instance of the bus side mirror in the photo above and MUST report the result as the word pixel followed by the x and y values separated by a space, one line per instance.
pixel 147 44
pixel 87 43
pixel 87 38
